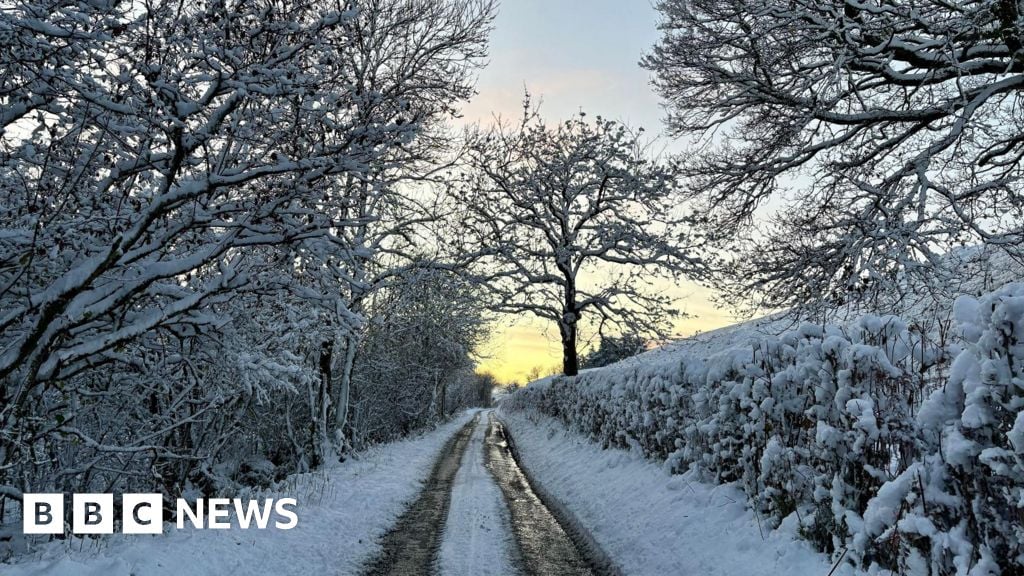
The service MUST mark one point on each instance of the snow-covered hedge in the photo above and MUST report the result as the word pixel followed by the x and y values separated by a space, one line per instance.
pixel 897 445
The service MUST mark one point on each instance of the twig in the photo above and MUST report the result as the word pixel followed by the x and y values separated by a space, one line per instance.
pixel 836 565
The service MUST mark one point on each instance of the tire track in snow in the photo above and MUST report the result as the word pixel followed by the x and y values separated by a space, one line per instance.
pixel 492 520
pixel 410 548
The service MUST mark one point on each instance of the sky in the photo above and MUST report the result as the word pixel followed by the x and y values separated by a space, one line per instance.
pixel 572 55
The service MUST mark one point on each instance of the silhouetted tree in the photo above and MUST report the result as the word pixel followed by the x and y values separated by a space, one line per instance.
pixel 614 348
pixel 576 219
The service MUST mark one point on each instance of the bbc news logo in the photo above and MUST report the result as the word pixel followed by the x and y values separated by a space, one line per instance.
pixel 143 513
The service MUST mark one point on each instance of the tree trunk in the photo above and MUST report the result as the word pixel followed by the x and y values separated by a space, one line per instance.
pixel 352 340
pixel 443 386
pixel 321 439
pixel 567 326
pixel 343 392
pixel 570 360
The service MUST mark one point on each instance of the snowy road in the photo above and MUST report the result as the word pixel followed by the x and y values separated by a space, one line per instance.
pixel 479 515
pixel 544 545
pixel 410 547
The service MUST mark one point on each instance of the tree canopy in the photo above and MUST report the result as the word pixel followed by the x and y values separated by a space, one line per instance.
pixel 878 134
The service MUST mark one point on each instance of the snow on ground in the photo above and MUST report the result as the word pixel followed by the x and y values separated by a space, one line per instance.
pixel 477 537
pixel 654 523
pixel 342 513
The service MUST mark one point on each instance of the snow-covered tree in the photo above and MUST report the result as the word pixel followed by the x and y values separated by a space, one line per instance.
pixel 873 135
pixel 575 220
pixel 409 62
pixel 182 190
pixel 415 361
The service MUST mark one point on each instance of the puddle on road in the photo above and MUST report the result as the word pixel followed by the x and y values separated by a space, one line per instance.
pixel 544 546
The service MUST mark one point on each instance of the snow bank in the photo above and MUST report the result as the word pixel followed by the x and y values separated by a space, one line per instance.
pixel 653 522
pixel 342 514
pixel 888 444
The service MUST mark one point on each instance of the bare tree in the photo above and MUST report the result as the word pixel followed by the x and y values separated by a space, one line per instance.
pixel 576 220
pixel 897 124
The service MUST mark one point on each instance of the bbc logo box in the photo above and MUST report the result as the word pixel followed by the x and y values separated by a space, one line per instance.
pixel 143 513
pixel 92 513
pixel 42 513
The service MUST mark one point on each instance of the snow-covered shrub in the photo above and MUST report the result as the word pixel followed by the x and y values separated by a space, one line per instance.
pixel 889 455
pixel 962 504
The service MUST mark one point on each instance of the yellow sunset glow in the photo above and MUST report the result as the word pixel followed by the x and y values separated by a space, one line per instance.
pixel 519 345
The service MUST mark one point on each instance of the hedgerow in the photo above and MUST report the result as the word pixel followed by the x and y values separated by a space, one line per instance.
pixel 898 443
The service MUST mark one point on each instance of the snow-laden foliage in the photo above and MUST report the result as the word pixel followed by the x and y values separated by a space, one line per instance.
pixel 414 363
pixel 893 447
pixel 872 136
pixel 195 201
